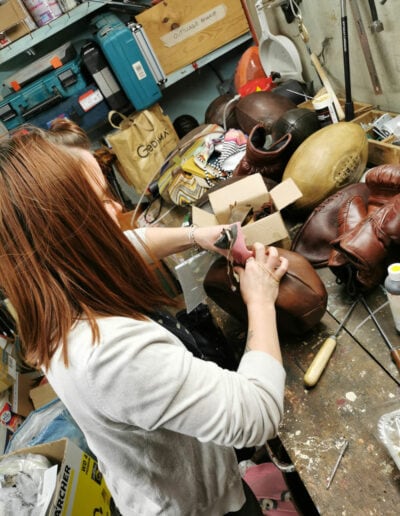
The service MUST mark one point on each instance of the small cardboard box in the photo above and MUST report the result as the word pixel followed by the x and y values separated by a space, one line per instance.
pixel 182 31
pixel 15 22
pixel 251 191
pixel 80 487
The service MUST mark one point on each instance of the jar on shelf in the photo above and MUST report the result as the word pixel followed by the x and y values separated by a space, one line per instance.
pixel 43 11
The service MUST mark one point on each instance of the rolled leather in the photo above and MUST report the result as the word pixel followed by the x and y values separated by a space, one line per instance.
pixel 301 301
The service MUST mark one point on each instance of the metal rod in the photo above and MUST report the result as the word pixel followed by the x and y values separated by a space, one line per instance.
pixel 349 106
pixel 375 320
pixel 335 467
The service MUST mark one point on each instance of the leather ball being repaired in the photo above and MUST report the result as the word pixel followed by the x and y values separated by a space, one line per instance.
pixel 302 297
pixel 328 160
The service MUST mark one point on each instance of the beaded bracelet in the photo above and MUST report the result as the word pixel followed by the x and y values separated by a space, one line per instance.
pixel 192 239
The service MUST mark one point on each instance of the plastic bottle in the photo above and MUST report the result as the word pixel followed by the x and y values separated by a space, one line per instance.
pixel 392 286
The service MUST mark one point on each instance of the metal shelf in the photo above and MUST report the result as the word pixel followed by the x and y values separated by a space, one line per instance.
pixel 37 36
pixel 203 61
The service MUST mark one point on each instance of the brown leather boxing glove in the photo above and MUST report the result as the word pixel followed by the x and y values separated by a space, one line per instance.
pixel 313 239
pixel 383 182
pixel 367 245
pixel 351 213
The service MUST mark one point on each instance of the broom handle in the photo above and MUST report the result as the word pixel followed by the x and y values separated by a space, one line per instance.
pixel 325 81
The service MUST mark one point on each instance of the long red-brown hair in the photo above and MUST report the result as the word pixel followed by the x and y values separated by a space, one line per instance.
pixel 61 254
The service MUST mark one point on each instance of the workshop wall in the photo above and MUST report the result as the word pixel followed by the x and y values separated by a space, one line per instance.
pixel 323 22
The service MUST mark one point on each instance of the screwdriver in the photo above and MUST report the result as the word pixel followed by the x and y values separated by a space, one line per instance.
pixel 321 359
pixel 394 352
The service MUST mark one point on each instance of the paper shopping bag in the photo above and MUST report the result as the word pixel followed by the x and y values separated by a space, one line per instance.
pixel 141 143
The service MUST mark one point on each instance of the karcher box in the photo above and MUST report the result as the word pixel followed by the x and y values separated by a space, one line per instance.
pixel 246 194
pixel 80 487
pixel 182 31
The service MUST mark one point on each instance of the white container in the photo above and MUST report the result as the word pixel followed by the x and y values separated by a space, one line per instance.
pixel 324 109
pixel 392 286
pixel 43 11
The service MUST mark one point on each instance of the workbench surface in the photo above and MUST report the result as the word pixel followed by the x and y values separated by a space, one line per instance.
pixel 359 384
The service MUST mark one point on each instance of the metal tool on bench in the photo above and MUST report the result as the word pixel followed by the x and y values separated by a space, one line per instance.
pixel 394 352
pixel 335 467
pixel 321 359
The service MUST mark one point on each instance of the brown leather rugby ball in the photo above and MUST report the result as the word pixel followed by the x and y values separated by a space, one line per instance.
pixel 329 159
pixel 302 297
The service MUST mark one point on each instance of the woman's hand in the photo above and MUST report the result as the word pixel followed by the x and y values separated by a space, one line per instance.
pixel 259 278
pixel 236 250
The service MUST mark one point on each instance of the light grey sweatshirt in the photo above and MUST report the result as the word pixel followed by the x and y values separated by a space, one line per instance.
pixel 161 422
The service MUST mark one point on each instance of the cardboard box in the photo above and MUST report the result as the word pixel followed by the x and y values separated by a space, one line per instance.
pixel 15 22
pixel 80 487
pixel 182 31
pixel 8 370
pixel 251 192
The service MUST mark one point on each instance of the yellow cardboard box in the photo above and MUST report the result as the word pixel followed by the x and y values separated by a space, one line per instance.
pixel 80 487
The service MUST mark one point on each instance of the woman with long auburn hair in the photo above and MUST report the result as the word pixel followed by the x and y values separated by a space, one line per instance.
pixel 161 422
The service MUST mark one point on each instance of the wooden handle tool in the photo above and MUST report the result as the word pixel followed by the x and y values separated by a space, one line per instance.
pixel 321 359
pixel 325 81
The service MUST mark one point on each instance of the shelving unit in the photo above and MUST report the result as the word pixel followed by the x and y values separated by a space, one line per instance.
pixel 47 31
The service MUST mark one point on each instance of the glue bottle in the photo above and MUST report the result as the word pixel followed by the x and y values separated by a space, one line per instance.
pixel 392 286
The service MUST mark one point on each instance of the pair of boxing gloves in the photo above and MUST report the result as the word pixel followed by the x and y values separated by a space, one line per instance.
pixel 368 228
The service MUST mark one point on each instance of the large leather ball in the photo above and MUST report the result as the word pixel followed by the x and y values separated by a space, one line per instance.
pixel 249 67
pixel 331 158
pixel 301 301
pixel 262 106
pixel 299 122
pixel 221 111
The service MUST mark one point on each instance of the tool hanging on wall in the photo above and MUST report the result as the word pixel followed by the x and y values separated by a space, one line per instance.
pixel 394 352
pixel 321 359
pixel 314 60
pixel 376 25
pixel 278 54
pixel 249 21
pixel 349 106
pixel 365 47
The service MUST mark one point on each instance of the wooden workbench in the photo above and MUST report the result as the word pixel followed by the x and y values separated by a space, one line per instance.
pixel 358 384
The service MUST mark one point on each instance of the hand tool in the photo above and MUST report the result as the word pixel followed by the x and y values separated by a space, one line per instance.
pixel 249 21
pixel 277 53
pixel 349 106
pixel 318 68
pixel 335 467
pixel 365 47
pixel 321 359
pixel 394 352
pixel 377 25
